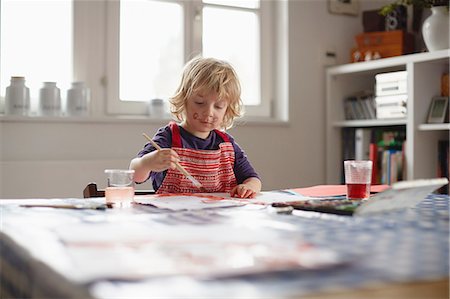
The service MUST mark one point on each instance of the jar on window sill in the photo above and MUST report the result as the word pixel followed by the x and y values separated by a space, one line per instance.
pixel 158 108
pixel 17 97
pixel 78 100
pixel 50 100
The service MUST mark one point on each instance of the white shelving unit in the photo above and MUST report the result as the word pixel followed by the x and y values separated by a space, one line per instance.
pixel 424 82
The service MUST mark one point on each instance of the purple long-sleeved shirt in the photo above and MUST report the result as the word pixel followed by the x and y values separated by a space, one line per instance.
pixel 242 167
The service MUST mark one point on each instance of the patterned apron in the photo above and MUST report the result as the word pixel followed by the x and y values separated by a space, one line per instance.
pixel 212 168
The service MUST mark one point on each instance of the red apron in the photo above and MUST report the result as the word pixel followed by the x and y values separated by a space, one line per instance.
pixel 212 168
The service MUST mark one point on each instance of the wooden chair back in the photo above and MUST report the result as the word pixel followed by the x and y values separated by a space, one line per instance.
pixel 91 190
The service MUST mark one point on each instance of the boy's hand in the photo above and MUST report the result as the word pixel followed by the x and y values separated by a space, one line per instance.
pixel 243 191
pixel 162 159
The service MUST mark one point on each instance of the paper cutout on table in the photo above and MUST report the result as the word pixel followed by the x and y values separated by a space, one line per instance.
pixel 196 201
pixel 332 190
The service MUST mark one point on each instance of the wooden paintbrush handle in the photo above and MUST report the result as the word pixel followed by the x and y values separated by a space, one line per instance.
pixel 181 168
pixel 177 164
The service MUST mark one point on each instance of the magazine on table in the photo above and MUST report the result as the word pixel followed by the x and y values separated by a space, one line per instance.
pixel 398 196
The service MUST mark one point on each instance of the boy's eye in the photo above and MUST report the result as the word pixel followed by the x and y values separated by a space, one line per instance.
pixel 220 105
pixel 198 102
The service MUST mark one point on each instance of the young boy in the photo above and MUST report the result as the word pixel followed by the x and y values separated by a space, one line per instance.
pixel 206 102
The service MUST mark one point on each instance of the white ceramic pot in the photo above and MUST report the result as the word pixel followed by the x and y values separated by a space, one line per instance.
pixel 157 108
pixel 17 97
pixel 50 100
pixel 78 98
pixel 435 29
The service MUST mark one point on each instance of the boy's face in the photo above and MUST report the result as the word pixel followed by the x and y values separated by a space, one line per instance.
pixel 204 113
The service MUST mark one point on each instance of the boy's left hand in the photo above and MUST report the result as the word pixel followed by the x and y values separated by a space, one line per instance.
pixel 242 191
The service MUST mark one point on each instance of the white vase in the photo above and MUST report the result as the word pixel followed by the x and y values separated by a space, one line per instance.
pixel 435 29
pixel 78 98
pixel 49 100
pixel 157 108
pixel 17 97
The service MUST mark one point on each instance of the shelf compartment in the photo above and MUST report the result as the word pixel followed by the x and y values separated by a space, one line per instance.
pixel 434 127
pixel 369 123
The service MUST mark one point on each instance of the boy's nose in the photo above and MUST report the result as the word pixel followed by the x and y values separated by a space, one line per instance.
pixel 209 111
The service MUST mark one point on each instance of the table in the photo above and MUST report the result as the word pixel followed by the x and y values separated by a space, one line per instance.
pixel 43 252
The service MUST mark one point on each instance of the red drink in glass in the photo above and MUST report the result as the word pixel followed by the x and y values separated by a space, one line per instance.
pixel 358 191
pixel 358 175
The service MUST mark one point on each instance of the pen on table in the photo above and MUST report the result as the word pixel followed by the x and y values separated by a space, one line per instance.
pixel 177 164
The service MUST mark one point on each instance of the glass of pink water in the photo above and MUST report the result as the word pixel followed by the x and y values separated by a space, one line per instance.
pixel 120 190
pixel 358 175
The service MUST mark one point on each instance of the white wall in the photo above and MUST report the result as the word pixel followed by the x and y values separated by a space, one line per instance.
pixel 51 158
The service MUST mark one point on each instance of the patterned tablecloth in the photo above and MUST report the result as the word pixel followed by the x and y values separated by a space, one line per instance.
pixel 405 246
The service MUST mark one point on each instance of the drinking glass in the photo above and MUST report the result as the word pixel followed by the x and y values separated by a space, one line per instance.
pixel 358 175
pixel 120 190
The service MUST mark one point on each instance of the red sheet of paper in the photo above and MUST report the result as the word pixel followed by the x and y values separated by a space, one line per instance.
pixel 333 190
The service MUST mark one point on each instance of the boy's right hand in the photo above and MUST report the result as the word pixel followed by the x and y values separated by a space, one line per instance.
pixel 160 160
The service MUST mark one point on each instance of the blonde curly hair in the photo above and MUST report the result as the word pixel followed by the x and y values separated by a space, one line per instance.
pixel 208 75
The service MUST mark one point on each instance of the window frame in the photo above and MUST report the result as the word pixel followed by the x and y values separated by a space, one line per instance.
pixel 192 47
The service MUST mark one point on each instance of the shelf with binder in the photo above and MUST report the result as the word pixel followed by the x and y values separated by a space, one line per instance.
pixel 424 72
pixel 383 145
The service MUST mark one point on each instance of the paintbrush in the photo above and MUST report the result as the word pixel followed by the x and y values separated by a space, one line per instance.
pixel 68 206
pixel 178 165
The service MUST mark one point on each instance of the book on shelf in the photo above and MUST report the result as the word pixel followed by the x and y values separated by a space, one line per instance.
pixel 360 105
pixel 373 156
pixel 392 166
pixel 362 143
pixel 348 148
pixel 443 163
pixel 391 152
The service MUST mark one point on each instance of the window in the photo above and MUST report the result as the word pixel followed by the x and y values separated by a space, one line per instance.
pixel 149 56
pixel 149 41
pixel 237 42
pixel 131 51
pixel 36 43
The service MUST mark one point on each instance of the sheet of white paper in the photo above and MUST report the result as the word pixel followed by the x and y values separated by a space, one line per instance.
pixel 278 196
pixel 193 201
pixel 196 201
